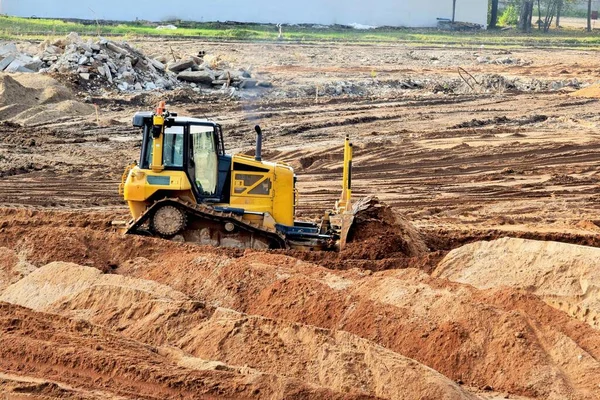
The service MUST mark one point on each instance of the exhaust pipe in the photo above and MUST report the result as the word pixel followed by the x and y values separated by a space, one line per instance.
pixel 258 156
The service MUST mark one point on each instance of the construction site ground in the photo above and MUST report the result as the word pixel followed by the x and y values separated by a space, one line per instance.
pixel 461 144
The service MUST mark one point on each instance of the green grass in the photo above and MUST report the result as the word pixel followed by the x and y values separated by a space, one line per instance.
pixel 27 28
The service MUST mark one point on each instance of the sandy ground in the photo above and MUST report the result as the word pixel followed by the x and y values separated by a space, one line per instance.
pixel 506 151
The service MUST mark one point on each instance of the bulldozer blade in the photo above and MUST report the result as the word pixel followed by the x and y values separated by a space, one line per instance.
pixel 349 217
pixel 347 222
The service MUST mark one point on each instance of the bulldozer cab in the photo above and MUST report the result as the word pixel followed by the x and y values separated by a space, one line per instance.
pixel 191 145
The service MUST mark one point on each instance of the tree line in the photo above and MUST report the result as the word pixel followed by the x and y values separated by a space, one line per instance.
pixel 548 12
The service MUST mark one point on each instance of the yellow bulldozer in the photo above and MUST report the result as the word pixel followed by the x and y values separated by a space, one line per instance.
pixel 185 187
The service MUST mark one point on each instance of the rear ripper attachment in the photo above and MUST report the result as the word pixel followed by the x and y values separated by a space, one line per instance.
pixel 185 187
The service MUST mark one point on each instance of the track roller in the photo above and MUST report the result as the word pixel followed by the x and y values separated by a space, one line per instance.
pixel 168 220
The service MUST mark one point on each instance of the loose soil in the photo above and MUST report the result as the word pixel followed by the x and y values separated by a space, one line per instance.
pixel 563 275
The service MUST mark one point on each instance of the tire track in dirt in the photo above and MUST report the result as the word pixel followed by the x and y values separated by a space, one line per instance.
pixel 59 192
pixel 404 153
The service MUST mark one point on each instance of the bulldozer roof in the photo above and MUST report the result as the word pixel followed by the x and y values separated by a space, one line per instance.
pixel 143 117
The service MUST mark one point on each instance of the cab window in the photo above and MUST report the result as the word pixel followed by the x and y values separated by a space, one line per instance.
pixel 205 160
pixel 173 147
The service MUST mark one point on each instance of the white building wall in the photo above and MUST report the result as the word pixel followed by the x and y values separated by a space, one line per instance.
pixel 413 13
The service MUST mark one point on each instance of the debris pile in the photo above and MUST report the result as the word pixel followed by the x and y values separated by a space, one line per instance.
pixel 494 83
pixel 116 64
pixel 11 60
pixel 499 82
pixel 212 71
pixel 103 63
pixel 475 123
pixel 503 61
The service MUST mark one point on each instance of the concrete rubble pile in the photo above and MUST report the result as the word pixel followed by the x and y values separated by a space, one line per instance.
pixel 503 61
pixel 212 71
pixel 11 60
pixel 119 65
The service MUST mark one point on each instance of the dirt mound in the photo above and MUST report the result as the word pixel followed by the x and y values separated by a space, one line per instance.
pixel 35 99
pixel 140 309
pixel 58 280
pixel 89 357
pixel 86 238
pixel 138 314
pixel 503 338
pixel 12 92
pixel 381 239
pixel 334 359
pixel 498 338
pixel 380 232
pixel 592 91
pixel 564 275
pixel 467 335
pixel 50 90
pixel 158 315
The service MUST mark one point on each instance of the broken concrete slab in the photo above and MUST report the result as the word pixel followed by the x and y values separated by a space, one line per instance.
pixel 182 65
pixel 205 77
pixel 33 64
pixel 128 77
pixel 6 62
pixel 218 82
pixel 72 37
pixel 157 64
pixel 113 47
pixel 51 49
pixel 8 49
pixel 228 75
pixel 13 66
pixel 17 66
pixel 248 83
